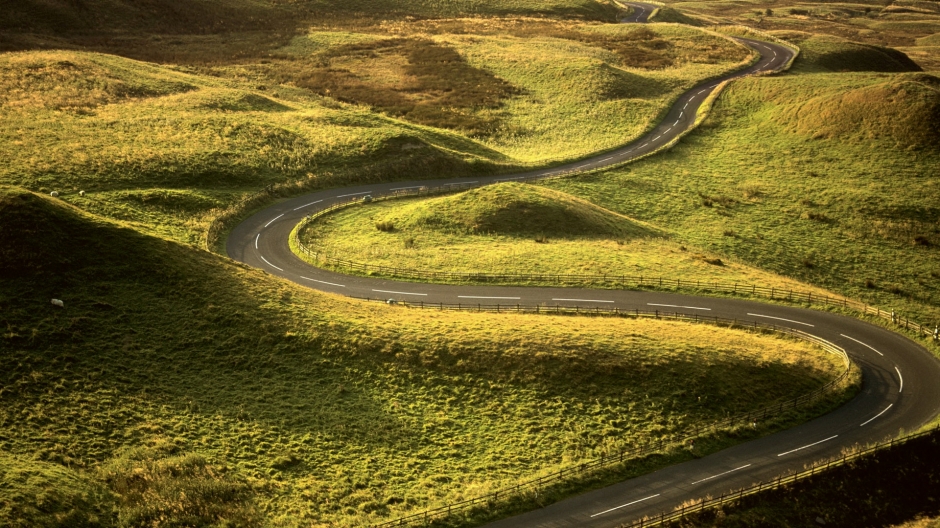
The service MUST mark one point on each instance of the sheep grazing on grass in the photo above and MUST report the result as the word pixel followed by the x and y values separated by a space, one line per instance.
pixel 54 194
pixel 59 303
pixel 81 193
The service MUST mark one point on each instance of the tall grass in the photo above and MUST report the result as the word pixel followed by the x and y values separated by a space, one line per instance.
pixel 843 183
pixel 515 228
pixel 193 388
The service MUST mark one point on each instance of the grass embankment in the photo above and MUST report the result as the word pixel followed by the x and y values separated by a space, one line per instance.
pixel 163 147
pixel 517 228
pixel 893 487
pixel 178 387
pixel 827 178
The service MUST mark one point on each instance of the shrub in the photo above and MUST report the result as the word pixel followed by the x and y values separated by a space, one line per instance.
pixel 385 226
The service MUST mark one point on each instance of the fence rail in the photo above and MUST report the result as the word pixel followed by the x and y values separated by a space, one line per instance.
pixel 488 500
pixel 611 280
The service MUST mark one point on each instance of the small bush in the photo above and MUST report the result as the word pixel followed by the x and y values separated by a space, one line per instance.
pixel 410 243
pixel 542 239
pixel 707 203
pixel 921 240
pixel 800 12
pixel 385 226
pixel 808 263
pixel 729 233
pixel 870 284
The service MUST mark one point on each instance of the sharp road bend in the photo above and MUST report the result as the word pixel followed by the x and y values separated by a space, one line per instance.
pixel 900 389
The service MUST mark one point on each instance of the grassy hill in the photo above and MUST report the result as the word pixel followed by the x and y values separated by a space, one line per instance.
pixel 173 371
pixel 164 146
pixel 808 177
pixel 517 228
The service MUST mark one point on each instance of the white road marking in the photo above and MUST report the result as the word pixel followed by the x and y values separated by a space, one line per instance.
pixel 720 474
pixel 482 297
pixel 682 113
pixel 353 194
pixel 781 319
pixel 879 414
pixel 610 158
pixel 403 188
pixel 863 344
pixel 583 300
pixel 256 240
pixel 269 264
pixel 702 91
pixel 624 505
pixel 678 306
pixel 273 219
pixel 323 282
pixel 400 293
pixel 686 105
pixel 657 137
pixel 308 205
pixel 810 445
pixel 643 145
pixel 677 121
pixel 900 378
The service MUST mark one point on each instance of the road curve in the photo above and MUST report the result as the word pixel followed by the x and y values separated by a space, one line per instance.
pixel 899 391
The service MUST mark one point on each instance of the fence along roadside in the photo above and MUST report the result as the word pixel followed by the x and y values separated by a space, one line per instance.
pixel 621 281
pixel 536 484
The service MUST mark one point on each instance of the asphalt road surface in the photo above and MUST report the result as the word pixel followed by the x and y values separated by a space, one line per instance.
pixel 900 388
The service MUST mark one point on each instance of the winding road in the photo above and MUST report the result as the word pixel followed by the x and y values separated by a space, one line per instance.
pixel 900 389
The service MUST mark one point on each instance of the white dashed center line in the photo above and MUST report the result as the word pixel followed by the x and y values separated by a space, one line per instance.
pixel 353 194
pixel 678 306
pixel 863 344
pixel 308 205
pixel 273 219
pixel 877 415
pixel 483 297
pixel 810 445
pixel 721 474
pixel 780 319
pixel 625 505
pixel 403 188
pixel 269 264
pixel 901 388
pixel 583 300
pixel 323 282
pixel 256 240
pixel 400 293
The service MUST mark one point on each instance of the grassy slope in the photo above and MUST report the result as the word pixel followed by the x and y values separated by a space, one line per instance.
pixel 164 146
pixel 517 228
pixel 295 407
pixel 827 178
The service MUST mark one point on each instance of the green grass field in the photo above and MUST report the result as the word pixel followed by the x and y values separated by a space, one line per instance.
pixel 826 178
pixel 517 228
pixel 165 147
pixel 178 388
pixel 263 401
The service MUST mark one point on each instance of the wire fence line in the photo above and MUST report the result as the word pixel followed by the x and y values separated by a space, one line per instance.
pixel 609 280
pixel 583 469
pixel 708 503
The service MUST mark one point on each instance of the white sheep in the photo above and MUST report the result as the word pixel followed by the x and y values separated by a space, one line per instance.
pixel 81 193
pixel 54 194
pixel 58 302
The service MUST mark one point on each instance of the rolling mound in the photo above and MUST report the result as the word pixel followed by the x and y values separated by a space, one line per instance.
pixel 516 209
pixel 905 109
pixel 826 53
